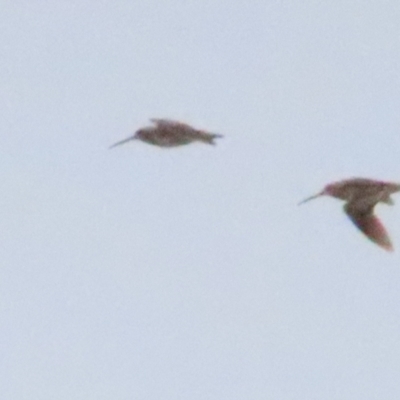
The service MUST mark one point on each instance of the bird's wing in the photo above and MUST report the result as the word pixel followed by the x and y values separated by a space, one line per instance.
pixel 363 217
pixel 169 123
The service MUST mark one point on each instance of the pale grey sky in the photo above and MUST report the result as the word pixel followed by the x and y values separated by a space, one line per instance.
pixel 190 273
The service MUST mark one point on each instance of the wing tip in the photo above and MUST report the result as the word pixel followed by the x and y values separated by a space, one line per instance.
pixel 387 246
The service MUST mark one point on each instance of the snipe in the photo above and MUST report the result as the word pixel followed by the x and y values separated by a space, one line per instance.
pixel 361 196
pixel 169 133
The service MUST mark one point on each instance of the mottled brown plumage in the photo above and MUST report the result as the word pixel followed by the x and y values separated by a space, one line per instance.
pixel 168 133
pixel 361 196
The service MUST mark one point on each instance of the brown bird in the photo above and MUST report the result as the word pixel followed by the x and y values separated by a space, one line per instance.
pixel 168 133
pixel 361 196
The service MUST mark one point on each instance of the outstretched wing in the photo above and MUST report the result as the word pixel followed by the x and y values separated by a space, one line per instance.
pixel 163 122
pixel 363 217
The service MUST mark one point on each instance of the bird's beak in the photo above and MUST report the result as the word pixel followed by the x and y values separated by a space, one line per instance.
pixel 311 198
pixel 122 142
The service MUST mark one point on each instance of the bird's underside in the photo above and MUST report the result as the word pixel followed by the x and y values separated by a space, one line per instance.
pixel 167 138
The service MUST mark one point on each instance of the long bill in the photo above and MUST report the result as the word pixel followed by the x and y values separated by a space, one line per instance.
pixel 310 198
pixel 122 142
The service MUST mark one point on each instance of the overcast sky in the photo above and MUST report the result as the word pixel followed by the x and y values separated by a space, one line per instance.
pixel 191 273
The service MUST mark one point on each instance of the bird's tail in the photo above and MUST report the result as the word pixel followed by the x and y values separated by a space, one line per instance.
pixel 210 138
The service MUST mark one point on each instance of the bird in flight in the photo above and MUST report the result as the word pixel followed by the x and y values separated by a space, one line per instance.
pixel 361 196
pixel 169 133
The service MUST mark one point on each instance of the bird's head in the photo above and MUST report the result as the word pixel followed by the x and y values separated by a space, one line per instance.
pixel 138 134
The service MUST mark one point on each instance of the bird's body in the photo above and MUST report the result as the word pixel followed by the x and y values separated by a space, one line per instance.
pixel 361 196
pixel 169 133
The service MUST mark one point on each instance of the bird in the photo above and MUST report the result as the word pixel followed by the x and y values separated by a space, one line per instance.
pixel 361 196
pixel 170 133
